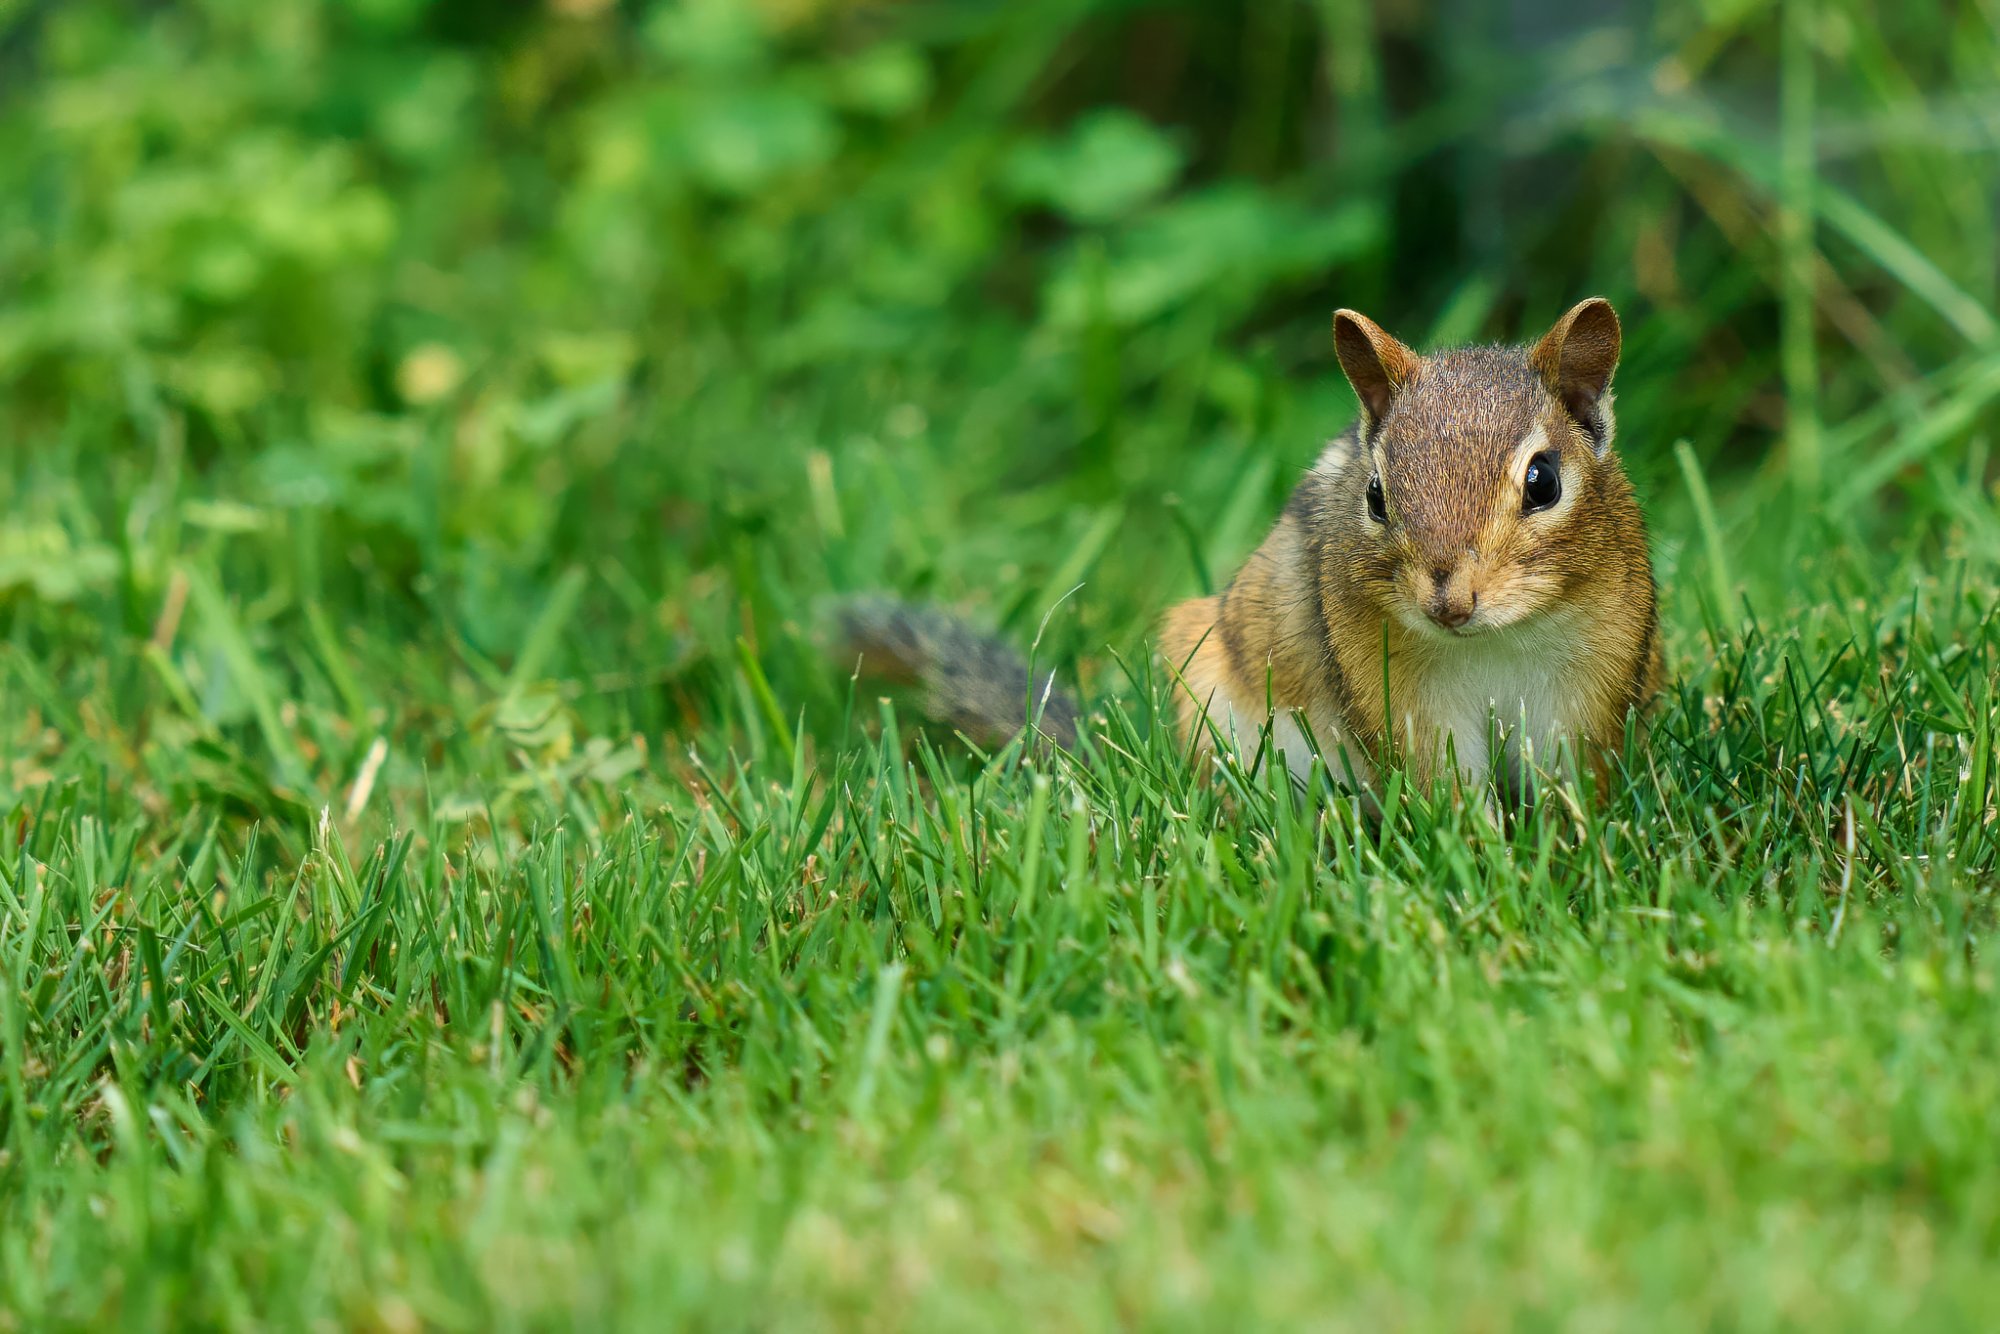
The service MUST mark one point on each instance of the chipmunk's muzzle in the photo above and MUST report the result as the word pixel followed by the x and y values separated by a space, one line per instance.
pixel 1447 596
pixel 1453 600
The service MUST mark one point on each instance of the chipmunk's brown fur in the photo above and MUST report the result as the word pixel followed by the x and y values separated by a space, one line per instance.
pixel 1485 622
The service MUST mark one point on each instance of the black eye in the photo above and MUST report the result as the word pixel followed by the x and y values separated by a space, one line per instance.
pixel 1543 486
pixel 1376 509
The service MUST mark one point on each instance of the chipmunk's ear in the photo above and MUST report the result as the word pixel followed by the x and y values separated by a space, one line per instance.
pixel 1377 365
pixel 1575 360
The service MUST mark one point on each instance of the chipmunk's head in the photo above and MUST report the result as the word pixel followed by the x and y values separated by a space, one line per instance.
pixel 1483 486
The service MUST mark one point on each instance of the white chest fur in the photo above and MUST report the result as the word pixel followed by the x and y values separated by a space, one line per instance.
pixel 1518 687
pixel 1242 727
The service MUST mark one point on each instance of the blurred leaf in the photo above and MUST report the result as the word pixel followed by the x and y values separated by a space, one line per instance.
pixel 712 36
pixel 891 79
pixel 575 359
pixel 44 561
pixel 1109 164
pixel 222 516
pixel 1229 244
pixel 741 141
pixel 425 119
pixel 543 422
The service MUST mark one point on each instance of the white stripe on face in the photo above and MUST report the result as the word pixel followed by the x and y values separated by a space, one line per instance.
pixel 1533 443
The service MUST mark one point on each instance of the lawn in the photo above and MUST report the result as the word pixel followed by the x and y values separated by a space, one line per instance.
pixel 448 882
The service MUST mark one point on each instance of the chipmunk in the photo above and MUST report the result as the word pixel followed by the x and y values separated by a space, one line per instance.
pixel 1460 581
pixel 1472 548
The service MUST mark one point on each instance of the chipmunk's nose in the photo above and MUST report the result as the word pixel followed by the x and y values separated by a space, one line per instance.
pixel 1452 601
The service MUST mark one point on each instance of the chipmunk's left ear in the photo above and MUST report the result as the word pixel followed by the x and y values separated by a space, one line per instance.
pixel 1575 360
pixel 1376 364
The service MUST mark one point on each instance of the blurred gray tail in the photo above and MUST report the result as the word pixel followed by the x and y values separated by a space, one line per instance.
pixel 972 681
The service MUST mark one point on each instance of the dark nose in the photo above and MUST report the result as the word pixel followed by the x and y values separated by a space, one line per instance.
pixel 1451 615
pixel 1446 610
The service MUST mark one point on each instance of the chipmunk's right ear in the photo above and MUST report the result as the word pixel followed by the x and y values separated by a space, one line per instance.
pixel 1576 360
pixel 1377 365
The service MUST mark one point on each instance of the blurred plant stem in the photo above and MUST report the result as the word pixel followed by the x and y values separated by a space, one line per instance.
pixel 1799 357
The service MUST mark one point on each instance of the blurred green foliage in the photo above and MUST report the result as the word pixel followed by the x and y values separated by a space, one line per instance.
pixel 439 297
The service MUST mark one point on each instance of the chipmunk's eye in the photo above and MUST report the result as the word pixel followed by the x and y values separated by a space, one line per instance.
pixel 1376 509
pixel 1543 485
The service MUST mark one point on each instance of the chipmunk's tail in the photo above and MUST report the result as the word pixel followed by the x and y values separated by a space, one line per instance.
pixel 971 681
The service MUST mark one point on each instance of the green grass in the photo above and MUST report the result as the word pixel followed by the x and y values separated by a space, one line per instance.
pixel 857 1037
pixel 445 884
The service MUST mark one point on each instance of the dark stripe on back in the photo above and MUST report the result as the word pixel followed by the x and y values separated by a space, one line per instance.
pixel 1328 660
pixel 1232 648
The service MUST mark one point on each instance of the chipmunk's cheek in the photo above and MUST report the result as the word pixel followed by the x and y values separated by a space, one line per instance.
pixel 1509 597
